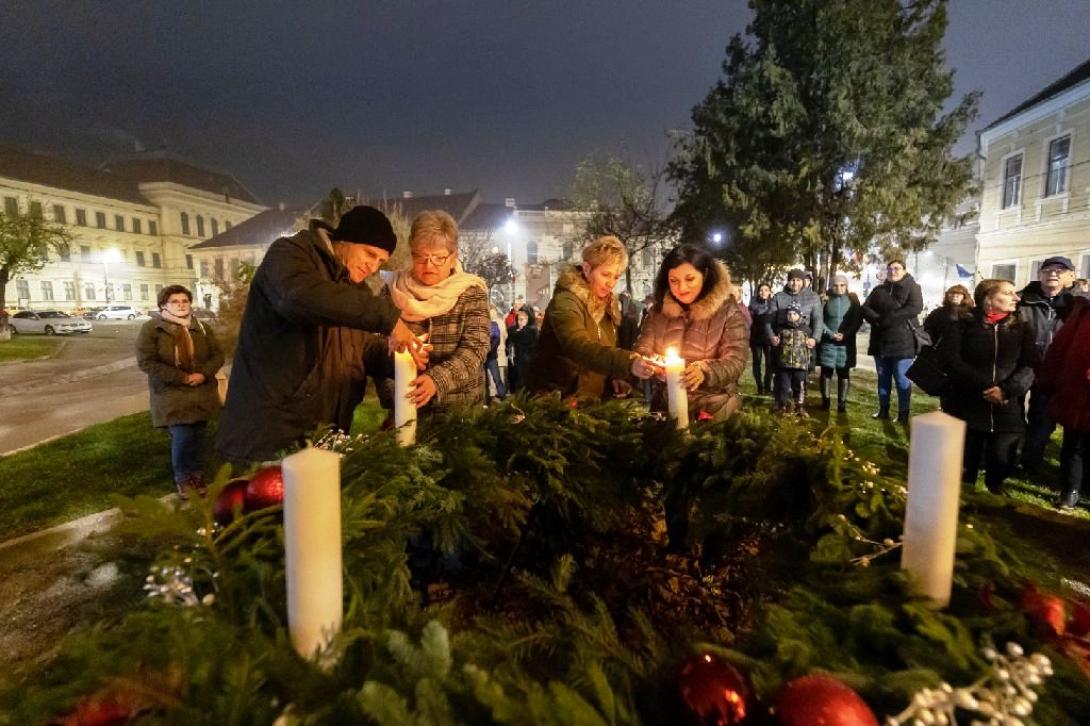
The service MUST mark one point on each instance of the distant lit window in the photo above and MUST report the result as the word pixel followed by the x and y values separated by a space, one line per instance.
pixel 140 262
pixel 11 206
pixel 36 210
pixel 185 223
pixel 153 228
pixel 100 220
pixel 58 214
pixel 1059 153
pixel 81 217
pixel 119 223
pixel 156 261
pixel 200 226
pixel 137 225
pixel 531 252
pixel 47 291
pixel 215 227
pixel 1012 182
pixel 22 289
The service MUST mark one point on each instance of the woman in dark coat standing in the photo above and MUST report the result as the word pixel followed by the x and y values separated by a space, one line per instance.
pixel 841 317
pixel 957 304
pixel 892 309
pixel 760 313
pixel 989 359
pixel 181 356
pixel 521 338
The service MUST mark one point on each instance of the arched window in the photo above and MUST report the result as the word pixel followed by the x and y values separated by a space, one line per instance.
pixel 531 252
pixel 185 223
pixel 200 226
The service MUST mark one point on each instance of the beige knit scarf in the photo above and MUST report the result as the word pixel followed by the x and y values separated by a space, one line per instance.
pixel 183 341
pixel 418 302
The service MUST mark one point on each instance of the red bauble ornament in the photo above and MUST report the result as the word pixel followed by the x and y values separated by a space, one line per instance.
pixel 713 691
pixel 231 499
pixel 266 489
pixel 1046 612
pixel 820 700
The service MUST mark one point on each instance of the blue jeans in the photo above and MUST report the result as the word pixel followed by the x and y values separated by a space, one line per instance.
pixel 888 369
pixel 492 368
pixel 186 444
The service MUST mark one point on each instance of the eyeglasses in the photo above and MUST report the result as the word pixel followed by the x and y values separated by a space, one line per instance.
pixel 437 260
pixel 1050 270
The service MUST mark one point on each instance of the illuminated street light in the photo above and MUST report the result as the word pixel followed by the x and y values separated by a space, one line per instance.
pixel 717 237
pixel 510 226
pixel 108 256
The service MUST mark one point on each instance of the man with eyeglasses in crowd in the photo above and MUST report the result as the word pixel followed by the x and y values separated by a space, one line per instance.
pixel 1044 304
pixel 299 361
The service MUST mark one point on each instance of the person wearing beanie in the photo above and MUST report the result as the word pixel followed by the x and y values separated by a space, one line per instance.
pixel 841 317
pixel 793 347
pixel 299 360
pixel 809 305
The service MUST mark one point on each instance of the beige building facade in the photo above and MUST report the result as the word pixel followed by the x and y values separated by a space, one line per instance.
pixel 132 220
pixel 1035 183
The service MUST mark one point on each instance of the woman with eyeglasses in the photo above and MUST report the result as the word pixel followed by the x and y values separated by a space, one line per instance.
pixel 181 356
pixel 437 298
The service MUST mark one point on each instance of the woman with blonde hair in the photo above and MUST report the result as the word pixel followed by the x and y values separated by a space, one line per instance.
pixel 437 298
pixel 577 353
pixel 696 312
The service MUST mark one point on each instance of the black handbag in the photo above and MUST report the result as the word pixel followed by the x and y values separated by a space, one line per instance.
pixel 920 337
pixel 928 372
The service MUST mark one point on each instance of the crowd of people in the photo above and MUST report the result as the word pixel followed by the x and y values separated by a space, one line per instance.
pixel 312 334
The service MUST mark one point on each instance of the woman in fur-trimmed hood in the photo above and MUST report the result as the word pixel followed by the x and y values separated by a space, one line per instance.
pixel 697 312
pixel 577 351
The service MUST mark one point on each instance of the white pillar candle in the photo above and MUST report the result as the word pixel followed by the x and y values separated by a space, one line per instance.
pixel 312 543
pixel 934 493
pixel 404 409
pixel 676 397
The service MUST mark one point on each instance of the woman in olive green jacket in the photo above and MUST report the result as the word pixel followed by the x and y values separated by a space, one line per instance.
pixel 181 356
pixel 577 348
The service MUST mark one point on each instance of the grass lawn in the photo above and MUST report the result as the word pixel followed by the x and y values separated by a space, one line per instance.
pixel 21 347
pixel 77 474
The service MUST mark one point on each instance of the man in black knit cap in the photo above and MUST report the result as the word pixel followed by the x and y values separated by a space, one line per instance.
pixel 299 361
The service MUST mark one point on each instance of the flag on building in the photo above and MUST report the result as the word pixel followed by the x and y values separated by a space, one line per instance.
pixel 962 272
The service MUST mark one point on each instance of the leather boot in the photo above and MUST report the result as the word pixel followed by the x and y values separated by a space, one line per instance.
pixel 823 387
pixel 842 386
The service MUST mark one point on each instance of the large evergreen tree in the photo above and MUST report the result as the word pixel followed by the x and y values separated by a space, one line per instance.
pixel 26 239
pixel 829 135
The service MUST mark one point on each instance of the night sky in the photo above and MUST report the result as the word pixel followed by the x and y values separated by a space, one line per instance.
pixel 504 96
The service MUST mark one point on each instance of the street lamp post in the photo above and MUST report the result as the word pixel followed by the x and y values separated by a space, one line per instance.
pixel 110 255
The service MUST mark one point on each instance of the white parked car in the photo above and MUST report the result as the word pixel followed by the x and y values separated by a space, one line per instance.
pixel 48 322
pixel 117 312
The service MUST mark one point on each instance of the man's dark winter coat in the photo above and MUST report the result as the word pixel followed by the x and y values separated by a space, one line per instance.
pixel 299 361
pixel 1044 314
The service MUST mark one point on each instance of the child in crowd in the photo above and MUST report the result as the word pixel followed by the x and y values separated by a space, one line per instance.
pixel 793 360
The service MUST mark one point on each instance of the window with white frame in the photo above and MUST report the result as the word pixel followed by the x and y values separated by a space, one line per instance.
pixel 153 228
pixel 126 292
pixel 69 291
pixel 531 252
pixel 200 226
pixel 185 223
pixel 88 291
pixel 47 291
pixel 1012 182
pixel 22 289
pixel 144 291
pixel 1059 153
pixel 137 225
pixel 58 214
pixel 1005 271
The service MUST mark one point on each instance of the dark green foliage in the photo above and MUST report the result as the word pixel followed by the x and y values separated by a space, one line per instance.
pixel 829 133
pixel 510 568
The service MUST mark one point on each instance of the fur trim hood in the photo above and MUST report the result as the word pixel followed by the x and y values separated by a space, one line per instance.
pixel 571 279
pixel 706 306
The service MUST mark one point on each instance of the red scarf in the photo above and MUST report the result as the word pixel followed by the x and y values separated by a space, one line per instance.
pixel 994 318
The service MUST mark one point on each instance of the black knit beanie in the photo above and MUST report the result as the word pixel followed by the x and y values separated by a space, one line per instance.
pixel 366 225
